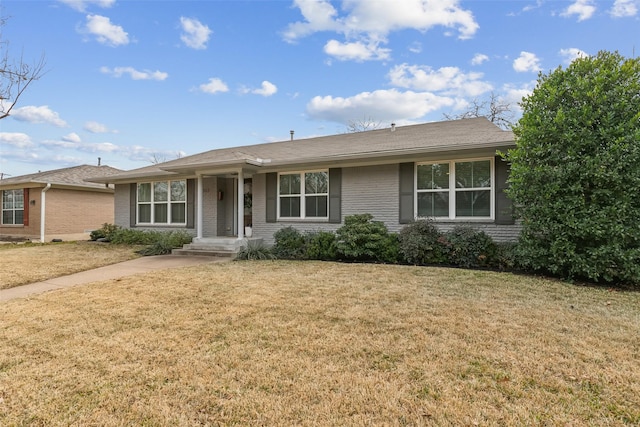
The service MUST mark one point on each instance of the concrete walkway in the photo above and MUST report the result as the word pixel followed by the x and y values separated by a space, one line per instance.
pixel 113 271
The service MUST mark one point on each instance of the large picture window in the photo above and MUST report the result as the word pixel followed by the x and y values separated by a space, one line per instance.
pixel 455 189
pixel 303 195
pixel 162 202
pixel 13 207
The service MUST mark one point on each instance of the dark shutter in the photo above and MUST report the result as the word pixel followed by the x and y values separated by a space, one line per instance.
pixel 504 206
pixel 133 189
pixel 25 211
pixel 406 192
pixel 191 202
pixel 335 196
pixel 272 197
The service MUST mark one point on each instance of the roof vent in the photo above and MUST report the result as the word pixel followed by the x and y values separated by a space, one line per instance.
pixel 393 127
pixel 291 132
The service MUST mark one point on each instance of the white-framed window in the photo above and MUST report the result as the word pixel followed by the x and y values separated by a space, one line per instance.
pixel 455 189
pixel 303 194
pixel 13 207
pixel 162 202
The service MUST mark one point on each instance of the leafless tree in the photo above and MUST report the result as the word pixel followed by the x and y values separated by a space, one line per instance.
pixel 496 109
pixel 15 74
pixel 367 123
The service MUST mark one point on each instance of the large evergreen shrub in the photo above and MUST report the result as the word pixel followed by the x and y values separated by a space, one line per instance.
pixel 575 174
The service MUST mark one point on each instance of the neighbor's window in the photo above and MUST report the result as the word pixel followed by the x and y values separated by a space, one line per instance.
pixel 455 189
pixel 304 195
pixel 162 202
pixel 13 207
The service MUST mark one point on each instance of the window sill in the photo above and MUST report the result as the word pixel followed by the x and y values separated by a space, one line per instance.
pixel 12 225
pixel 304 220
pixel 161 225
pixel 459 220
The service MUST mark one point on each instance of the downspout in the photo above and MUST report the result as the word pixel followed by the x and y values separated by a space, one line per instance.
pixel 42 210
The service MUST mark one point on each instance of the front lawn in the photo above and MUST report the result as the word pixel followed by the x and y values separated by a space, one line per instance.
pixel 26 263
pixel 313 343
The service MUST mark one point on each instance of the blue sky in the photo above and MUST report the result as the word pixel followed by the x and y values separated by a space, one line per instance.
pixel 130 81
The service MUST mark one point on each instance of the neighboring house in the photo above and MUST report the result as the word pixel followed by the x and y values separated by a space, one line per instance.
pixel 448 171
pixel 57 204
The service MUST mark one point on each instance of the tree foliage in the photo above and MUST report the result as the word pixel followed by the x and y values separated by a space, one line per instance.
pixel 15 75
pixel 575 174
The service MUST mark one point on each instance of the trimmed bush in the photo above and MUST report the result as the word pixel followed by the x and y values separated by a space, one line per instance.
pixel 289 244
pixel 106 232
pixel 420 245
pixel 165 242
pixel 467 247
pixel 320 245
pixel 363 239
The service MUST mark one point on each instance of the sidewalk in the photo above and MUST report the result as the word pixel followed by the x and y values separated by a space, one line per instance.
pixel 113 271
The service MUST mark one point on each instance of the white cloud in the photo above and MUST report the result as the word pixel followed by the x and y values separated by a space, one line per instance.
pixel 448 80
pixel 195 34
pixel 266 89
pixel 365 24
pixel 106 32
pixel 357 51
pixel 479 58
pixel 215 85
pixel 16 139
pixel 135 74
pixel 584 9
pixel 415 47
pixel 527 61
pixel 81 5
pixel 95 127
pixel 72 137
pixel 383 105
pixel 571 54
pixel 42 114
pixel 624 8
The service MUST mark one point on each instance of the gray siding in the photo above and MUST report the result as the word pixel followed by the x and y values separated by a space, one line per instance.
pixel 370 189
pixel 122 205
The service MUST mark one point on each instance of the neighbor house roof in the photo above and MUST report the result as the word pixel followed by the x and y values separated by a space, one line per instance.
pixel 72 177
pixel 376 145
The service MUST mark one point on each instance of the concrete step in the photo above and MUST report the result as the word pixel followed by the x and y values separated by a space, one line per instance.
pixel 204 252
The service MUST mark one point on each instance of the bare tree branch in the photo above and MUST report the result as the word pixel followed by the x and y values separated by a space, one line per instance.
pixel 15 75
pixel 367 123
pixel 495 109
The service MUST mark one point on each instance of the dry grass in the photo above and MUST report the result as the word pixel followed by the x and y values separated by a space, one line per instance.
pixel 284 343
pixel 29 263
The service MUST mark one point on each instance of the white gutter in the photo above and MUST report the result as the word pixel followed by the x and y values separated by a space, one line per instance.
pixel 42 210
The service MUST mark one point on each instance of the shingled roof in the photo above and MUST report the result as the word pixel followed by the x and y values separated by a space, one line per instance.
pixel 68 177
pixel 395 142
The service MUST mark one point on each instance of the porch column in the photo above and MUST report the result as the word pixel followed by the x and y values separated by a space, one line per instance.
pixel 199 209
pixel 240 205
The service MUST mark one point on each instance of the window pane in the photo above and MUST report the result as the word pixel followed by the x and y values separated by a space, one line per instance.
pixel 433 204
pixel 290 184
pixel 432 177
pixel 473 174
pixel 19 217
pixel 7 199
pixel 160 193
pixel 316 206
pixel 178 215
pixel 18 197
pixel 144 192
pixel 7 217
pixel 473 203
pixel 290 207
pixel 178 191
pixel 144 213
pixel 160 213
pixel 316 182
